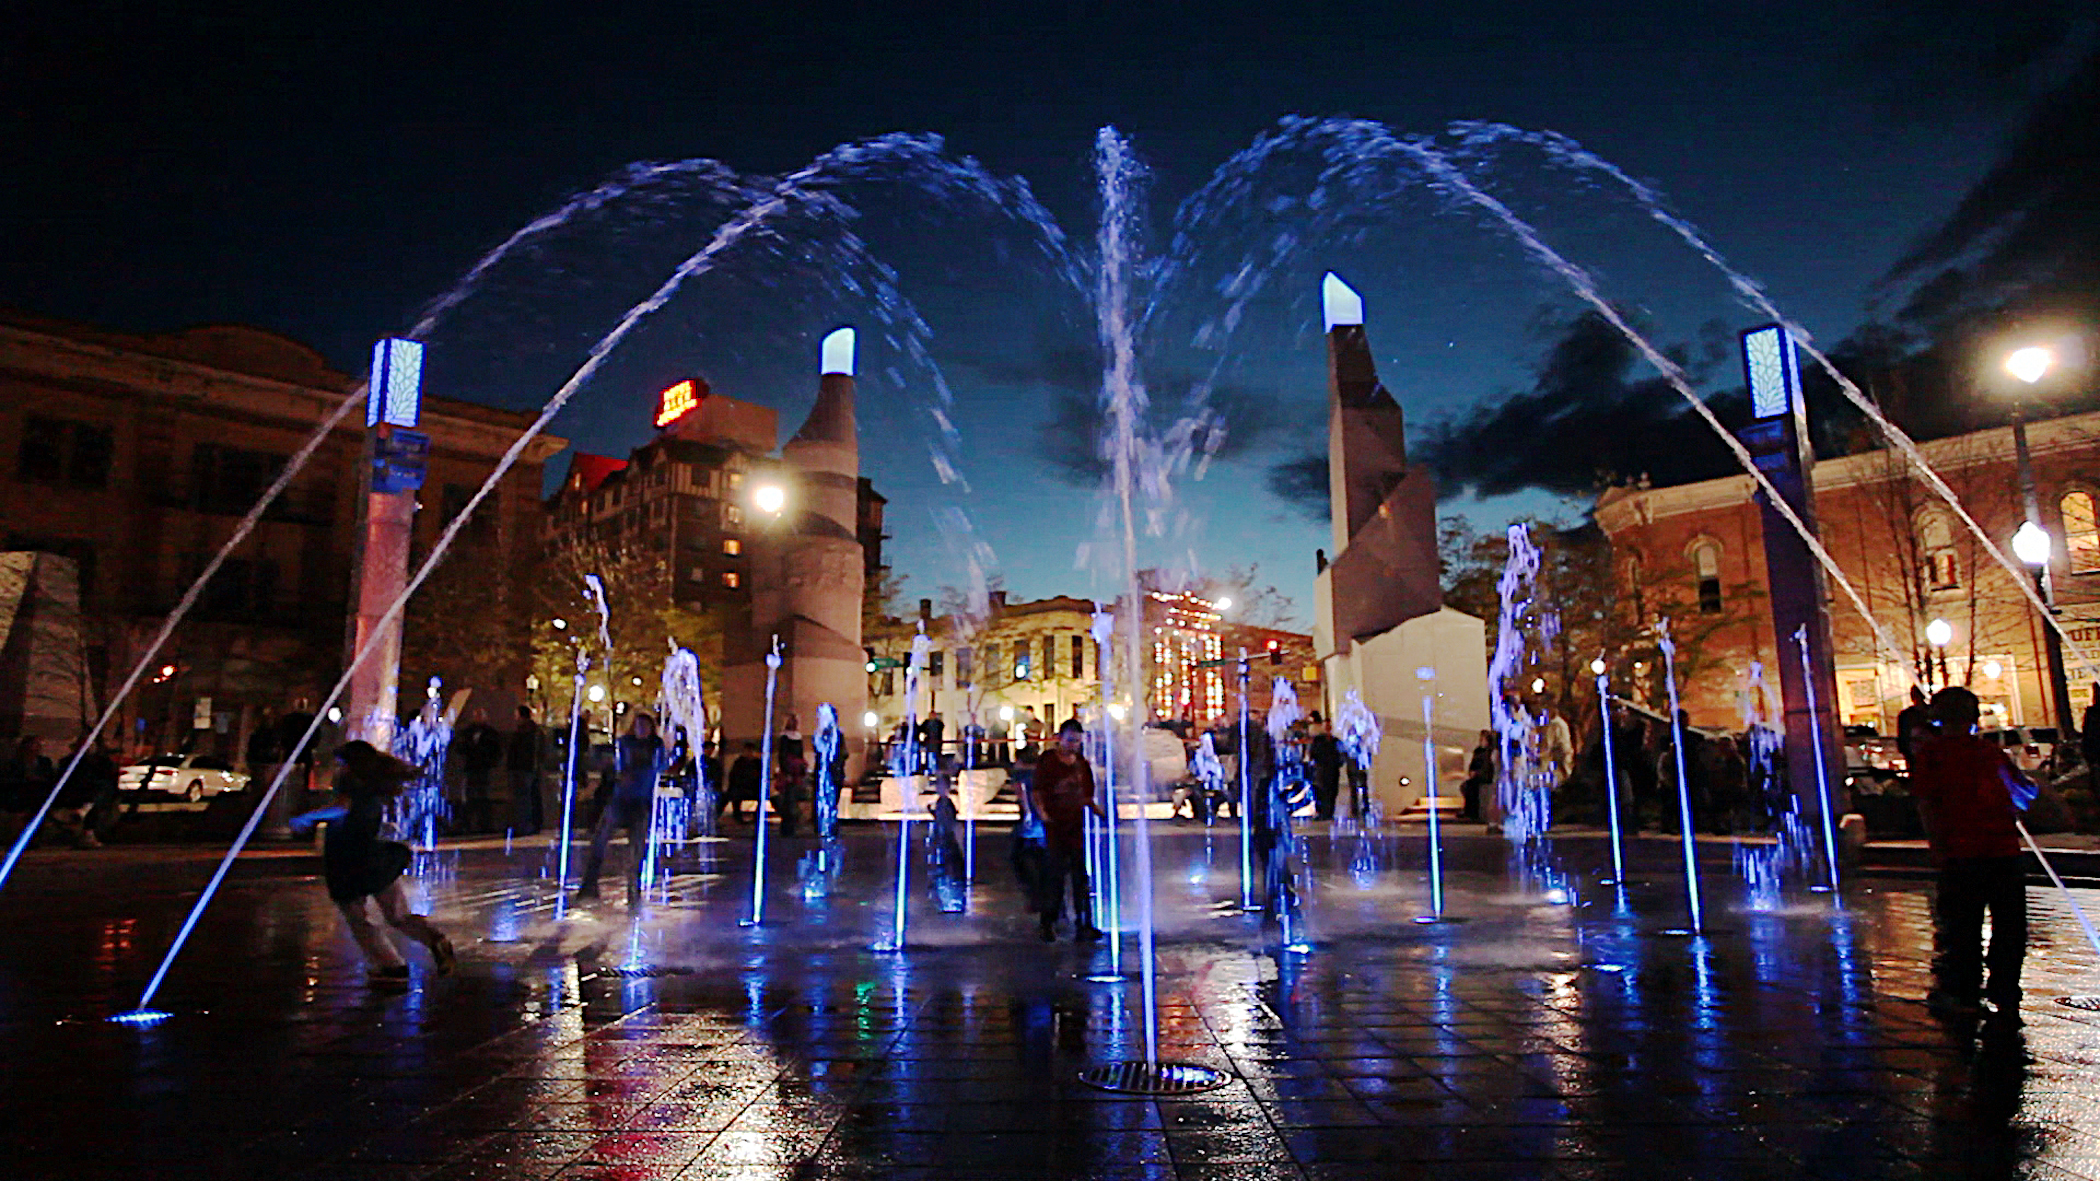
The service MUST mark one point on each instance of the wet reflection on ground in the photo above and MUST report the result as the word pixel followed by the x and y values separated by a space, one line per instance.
pixel 1530 1038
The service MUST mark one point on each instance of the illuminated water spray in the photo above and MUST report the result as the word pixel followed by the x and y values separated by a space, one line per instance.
pixel 904 767
pixel 1611 777
pixel 1109 916
pixel 1523 786
pixel 1828 803
pixel 820 866
pixel 765 794
pixel 1288 791
pixel 1245 766
pixel 682 715
pixel 421 809
pixel 1684 787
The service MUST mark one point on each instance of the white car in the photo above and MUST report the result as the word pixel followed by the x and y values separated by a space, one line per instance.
pixel 192 777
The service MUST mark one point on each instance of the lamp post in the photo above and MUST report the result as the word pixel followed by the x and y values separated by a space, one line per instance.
pixel 2032 543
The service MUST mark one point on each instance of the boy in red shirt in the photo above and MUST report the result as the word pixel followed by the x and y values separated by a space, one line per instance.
pixel 1972 795
pixel 1061 793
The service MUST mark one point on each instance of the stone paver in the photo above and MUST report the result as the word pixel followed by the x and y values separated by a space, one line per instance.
pixel 1527 1039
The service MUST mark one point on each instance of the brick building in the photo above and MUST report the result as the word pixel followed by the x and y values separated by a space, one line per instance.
pixel 687 493
pixel 136 456
pixel 1701 547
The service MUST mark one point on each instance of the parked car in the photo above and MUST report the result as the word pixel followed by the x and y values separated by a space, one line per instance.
pixel 1866 750
pixel 2027 746
pixel 192 777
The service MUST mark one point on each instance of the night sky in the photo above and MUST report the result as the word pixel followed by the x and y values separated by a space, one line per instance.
pixel 327 174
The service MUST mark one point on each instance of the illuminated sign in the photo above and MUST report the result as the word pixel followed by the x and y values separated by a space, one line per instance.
pixel 674 403
pixel 1768 362
pixel 395 393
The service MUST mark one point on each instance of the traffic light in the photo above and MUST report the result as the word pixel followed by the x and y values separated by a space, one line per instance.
pixel 1275 652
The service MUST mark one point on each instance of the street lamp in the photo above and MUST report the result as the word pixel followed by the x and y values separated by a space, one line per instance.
pixel 2032 543
pixel 1939 633
pixel 1224 604
pixel 561 625
pixel 769 498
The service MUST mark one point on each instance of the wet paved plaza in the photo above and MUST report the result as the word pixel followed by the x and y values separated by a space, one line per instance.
pixel 1532 1038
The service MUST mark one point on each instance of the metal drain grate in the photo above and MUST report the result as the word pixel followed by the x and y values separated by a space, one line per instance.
pixel 1166 1078
pixel 2088 1003
pixel 646 971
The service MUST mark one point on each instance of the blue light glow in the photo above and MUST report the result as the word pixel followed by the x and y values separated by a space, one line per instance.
pixel 1768 360
pixel 141 1017
pixel 396 390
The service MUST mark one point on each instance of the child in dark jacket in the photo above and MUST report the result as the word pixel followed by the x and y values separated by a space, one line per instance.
pixel 360 868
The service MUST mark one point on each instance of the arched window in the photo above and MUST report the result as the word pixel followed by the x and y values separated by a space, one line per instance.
pixel 1706 568
pixel 1634 577
pixel 2081 531
pixel 1939 568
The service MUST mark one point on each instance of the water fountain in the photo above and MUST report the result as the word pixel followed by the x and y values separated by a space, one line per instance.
pixel 1684 787
pixel 765 794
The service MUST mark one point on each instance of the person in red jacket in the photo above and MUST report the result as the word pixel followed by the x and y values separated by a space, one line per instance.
pixel 1060 795
pixel 1972 796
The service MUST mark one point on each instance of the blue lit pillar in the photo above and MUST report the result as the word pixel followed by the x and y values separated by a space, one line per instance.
pixel 1777 439
pixel 396 459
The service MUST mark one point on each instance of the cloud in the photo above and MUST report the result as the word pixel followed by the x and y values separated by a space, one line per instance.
pixel 1229 421
pixel 2027 235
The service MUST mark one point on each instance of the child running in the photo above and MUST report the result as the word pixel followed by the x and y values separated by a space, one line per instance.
pixel 361 869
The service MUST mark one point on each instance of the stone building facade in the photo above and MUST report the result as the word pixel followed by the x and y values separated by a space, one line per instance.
pixel 136 456
pixel 1700 547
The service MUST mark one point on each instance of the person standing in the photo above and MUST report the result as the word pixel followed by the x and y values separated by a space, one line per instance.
pixel 521 764
pixel 1557 747
pixel 1325 754
pixel 1480 777
pixel 744 775
pixel 638 759
pixel 1059 796
pixel 1973 795
pixel 1914 725
pixel 2089 731
pixel 361 869
pixel 481 751
pixel 931 733
pixel 790 765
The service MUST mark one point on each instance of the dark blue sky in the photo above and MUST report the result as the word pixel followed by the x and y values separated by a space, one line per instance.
pixel 326 174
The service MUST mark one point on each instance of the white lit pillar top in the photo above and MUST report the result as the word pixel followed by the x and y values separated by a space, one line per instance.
pixel 1769 364
pixel 836 354
pixel 1339 302
pixel 395 393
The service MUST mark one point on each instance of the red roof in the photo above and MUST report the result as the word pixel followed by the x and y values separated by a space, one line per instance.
pixel 593 469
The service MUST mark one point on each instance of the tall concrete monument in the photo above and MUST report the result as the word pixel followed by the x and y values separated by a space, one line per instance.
pixel 807 573
pixel 1381 617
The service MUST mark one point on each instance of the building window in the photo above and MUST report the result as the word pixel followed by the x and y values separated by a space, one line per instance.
pixel 736 480
pixel 936 663
pixel 1706 568
pixel 1940 569
pixel 732 579
pixel 231 479
pixel 963 661
pixel 1078 658
pixel 1020 660
pixel 732 546
pixel 2081 532
pixel 732 515
pixel 1049 656
pixel 61 451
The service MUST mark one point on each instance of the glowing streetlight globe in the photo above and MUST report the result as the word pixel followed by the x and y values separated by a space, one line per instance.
pixel 1006 713
pixel 2031 544
pixel 1538 684
pixel 1225 604
pixel 1118 711
pixel 2031 363
pixel 1597 667
pixel 869 719
pixel 1993 670
pixel 770 498
pixel 561 625
pixel 1938 633
pixel 596 694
